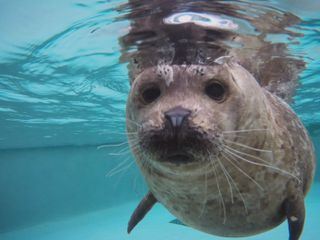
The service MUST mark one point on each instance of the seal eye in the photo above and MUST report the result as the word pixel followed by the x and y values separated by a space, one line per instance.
pixel 150 94
pixel 215 91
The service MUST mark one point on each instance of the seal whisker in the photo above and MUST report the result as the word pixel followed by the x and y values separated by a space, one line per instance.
pixel 112 145
pixel 122 151
pixel 222 151
pixel 134 122
pixel 263 165
pixel 132 133
pixel 220 194
pixel 248 147
pixel 119 133
pixel 205 195
pixel 134 140
pixel 237 189
pixel 241 170
pixel 134 144
pixel 127 149
pixel 145 163
pixel 247 154
pixel 246 130
pixel 120 170
pixel 229 183
pixel 118 154
pixel 116 169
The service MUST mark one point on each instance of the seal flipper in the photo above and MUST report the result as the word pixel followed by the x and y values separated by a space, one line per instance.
pixel 142 209
pixel 295 212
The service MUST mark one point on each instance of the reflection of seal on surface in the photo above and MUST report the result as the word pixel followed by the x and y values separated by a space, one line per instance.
pixel 218 150
pixel 201 19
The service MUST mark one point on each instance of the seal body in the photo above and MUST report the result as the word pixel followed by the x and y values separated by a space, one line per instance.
pixel 232 164
pixel 215 143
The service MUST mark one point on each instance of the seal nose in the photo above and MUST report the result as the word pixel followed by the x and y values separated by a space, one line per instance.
pixel 176 116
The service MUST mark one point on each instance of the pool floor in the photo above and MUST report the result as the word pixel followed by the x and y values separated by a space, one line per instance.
pixel 110 224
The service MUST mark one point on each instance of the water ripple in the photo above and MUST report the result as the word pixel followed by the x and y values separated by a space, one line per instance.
pixel 72 84
pixel 70 79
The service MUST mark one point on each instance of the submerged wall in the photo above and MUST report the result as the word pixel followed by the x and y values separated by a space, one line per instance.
pixel 42 184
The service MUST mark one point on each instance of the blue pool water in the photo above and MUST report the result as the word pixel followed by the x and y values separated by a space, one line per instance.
pixel 65 169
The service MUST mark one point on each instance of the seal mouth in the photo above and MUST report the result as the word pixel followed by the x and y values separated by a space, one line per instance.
pixel 184 148
pixel 179 158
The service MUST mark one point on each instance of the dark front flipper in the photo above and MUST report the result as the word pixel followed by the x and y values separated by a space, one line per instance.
pixel 295 212
pixel 144 206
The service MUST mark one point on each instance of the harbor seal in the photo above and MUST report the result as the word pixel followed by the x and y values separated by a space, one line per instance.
pixel 218 147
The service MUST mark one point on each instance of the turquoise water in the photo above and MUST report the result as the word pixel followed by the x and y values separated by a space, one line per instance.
pixel 63 93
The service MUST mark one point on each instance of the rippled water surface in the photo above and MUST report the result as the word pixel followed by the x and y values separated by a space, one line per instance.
pixel 64 74
pixel 61 80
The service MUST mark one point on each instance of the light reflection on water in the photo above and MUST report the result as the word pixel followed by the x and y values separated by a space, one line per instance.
pixel 66 85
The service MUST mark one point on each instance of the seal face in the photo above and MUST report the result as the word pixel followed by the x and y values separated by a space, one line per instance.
pixel 217 150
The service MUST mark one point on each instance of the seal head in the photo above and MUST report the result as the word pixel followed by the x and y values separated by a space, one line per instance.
pixel 184 110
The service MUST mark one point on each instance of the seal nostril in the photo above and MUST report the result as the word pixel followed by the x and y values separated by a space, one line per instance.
pixel 176 116
pixel 179 120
